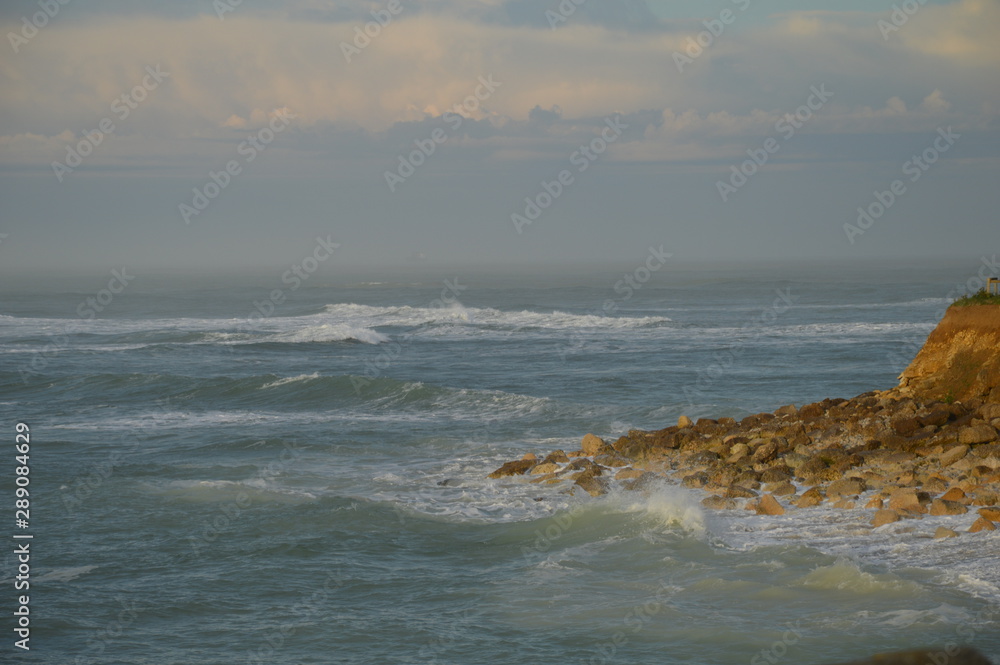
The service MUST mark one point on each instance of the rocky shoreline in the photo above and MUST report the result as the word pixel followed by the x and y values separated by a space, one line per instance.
pixel 901 454
pixel 907 458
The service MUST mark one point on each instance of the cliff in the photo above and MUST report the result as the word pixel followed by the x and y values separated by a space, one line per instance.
pixel 960 360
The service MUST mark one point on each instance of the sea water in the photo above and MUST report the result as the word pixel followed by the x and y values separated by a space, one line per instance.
pixel 219 476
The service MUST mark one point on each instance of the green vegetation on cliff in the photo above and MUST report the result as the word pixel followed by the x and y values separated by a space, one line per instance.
pixel 980 298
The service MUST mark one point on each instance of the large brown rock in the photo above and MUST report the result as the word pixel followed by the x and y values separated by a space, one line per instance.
pixel 884 516
pixel 982 524
pixel 992 514
pixel 977 434
pixel 768 505
pixel 908 499
pixel 718 503
pixel 951 456
pixel 592 445
pixel 515 468
pixel 942 507
pixel 811 497
pixel 846 487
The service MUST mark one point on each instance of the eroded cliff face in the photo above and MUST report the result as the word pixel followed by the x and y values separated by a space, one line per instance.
pixel 960 359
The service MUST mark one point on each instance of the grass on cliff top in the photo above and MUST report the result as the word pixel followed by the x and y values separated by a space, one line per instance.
pixel 980 298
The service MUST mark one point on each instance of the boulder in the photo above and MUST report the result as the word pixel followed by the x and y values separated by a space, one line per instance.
pixel 952 455
pixel 738 492
pixel 768 505
pixel 629 474
pixel 781 489
pixel 955 494
pixel 529 457
pixel 719 503
pixel 765 452
pixel 516 468
pixel 908 499
pixel 592 445
pixel 982 524
pixel 989 411
pixel 944 532
pixel 906 426
pixel 684 422
pixel 935 418
pixel 789 410
pixel 556 457
pixel 942 507
pixel 613 461
pixel 976 434
pixel 593 486
pixel 992 514
pixel 846 487
pixel 884 516
pixel 844 504
pixel 874 502
pixel 811 497
pixel 548 467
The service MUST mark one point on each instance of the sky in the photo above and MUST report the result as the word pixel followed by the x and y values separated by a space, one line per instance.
pixel 202 135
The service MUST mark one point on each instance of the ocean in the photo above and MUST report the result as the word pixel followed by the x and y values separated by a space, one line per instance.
pixel 232 470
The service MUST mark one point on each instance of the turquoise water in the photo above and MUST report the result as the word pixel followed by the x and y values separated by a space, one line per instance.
pixel 309 486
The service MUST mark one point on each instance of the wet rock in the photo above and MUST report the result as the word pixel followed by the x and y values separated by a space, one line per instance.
pixel 781 489
pixel 885 516
pixel 874 502
pixel 776 474
pixel 942 507
pixel 719 503
pixel 695 480
pixel 684 422
pixel 556 457
pixel 789 410
pixel 992 514
pixel 592 485
pixel 811 497
pixel 935 485
pixel 944 532
pixel 629 474
pixel 768 505
pixel 516 468
pixel 529 457
pixel 543 468
pixel 955 494
pixel 592 445
pixel 613 461
pixel 846 487
pixel 737 492
pixel 765 452
pixel 908 499
pixel 812 411
pixel 982 524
